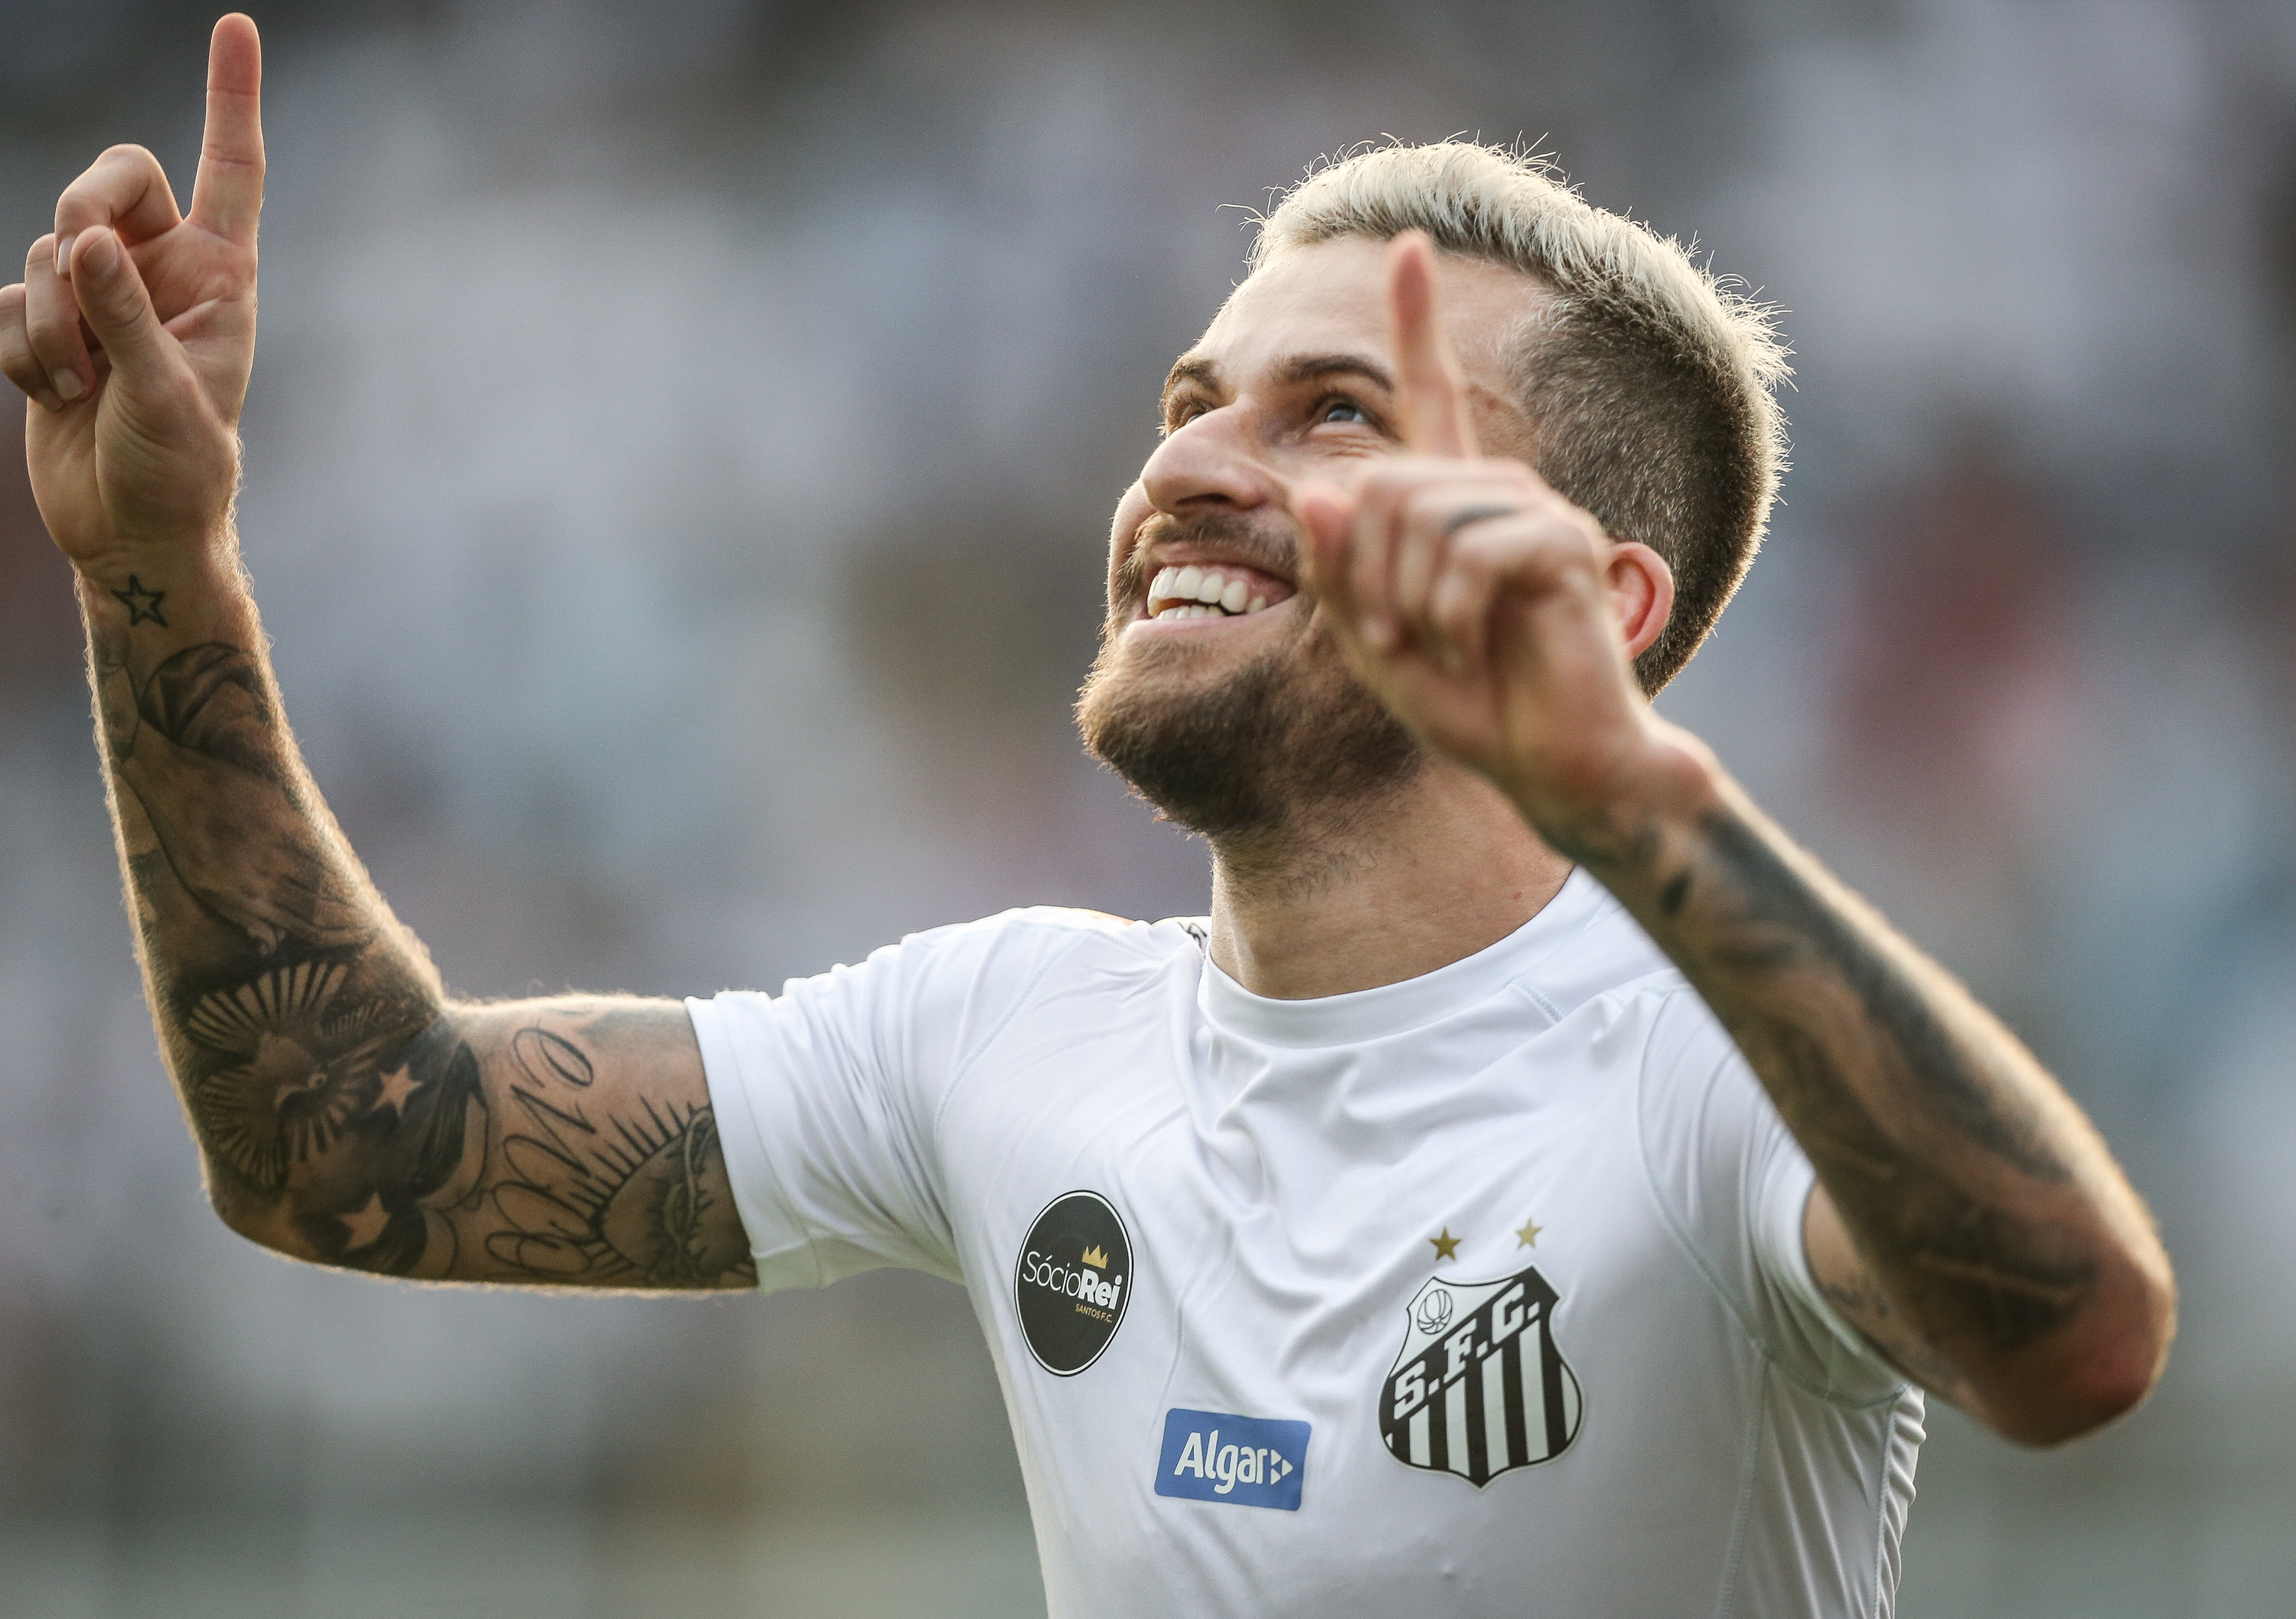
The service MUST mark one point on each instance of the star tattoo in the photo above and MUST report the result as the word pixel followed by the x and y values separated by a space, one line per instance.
pixel 1447 1247
pixel 1528 1232
pixel 141 603
pixel 398 1085
pixel 366 1224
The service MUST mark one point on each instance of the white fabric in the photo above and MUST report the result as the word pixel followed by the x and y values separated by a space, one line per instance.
pixel 1283 1170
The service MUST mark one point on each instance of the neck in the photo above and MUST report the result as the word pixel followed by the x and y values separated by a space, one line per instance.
pixel 1444 867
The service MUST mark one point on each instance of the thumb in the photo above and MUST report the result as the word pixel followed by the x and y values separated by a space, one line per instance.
pixel 115 304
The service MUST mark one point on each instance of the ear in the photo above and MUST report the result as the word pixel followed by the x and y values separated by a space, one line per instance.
pixel 1642 589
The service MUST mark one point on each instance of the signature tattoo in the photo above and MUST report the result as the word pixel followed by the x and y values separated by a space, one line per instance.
pixel 347 1112
pixel 614 1200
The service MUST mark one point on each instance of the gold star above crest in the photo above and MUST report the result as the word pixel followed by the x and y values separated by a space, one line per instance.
pixel 1447 1247
pixel 1527 1233
pixel 366 1224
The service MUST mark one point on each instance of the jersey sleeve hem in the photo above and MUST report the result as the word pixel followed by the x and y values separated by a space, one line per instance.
pixel 1822 1389
pixel 1798 1183
pixel 778 1241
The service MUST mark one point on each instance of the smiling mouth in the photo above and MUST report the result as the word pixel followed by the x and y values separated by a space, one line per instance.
pixel 1197 592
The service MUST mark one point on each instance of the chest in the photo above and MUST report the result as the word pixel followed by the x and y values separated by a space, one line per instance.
pixel 1151 1204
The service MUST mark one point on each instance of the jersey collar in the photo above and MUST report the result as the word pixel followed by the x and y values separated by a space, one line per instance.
pixel 1395 1008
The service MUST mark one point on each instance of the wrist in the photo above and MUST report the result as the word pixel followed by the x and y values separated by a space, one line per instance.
pixel 178 587
pixel 1619 818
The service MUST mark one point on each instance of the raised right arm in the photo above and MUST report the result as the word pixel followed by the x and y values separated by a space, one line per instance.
pixel 347 1110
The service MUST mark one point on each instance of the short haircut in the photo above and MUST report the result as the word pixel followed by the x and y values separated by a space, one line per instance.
pixel 1647 380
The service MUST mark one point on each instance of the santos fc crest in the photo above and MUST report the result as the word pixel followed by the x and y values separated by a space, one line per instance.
pixel 1479 1387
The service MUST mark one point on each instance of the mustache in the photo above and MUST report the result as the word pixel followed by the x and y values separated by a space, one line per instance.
pixel 1253 544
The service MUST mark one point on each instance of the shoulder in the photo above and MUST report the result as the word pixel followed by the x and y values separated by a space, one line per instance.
pixel 1007 956
pixel 1043 933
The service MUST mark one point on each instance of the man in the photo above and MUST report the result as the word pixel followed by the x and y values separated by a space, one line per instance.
pixel 1536 1187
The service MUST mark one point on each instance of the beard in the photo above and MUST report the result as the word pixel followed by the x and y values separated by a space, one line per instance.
pixel 1289 742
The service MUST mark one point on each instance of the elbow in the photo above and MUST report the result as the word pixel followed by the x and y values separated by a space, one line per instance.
pixel 2094 1373
pixel 267 1225
pixel 2071 1410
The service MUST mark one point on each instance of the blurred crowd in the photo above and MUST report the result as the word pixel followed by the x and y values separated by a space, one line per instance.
pixel 677 473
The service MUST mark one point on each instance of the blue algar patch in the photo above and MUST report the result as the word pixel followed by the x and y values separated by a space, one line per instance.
pixel 1243 1462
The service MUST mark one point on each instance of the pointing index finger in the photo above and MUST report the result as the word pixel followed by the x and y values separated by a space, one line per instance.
pixel 1431 395
pixel 227 198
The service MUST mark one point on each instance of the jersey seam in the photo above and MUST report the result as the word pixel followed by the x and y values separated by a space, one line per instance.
pixel 965 1065
pixel 1538 998
pixel 1698 1260
pixel 794 1219
pixel 1885 1452
pixel 1734 1563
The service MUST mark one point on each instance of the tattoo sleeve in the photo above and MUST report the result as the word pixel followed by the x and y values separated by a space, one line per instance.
pixel 348 1111
pixel 1985 1214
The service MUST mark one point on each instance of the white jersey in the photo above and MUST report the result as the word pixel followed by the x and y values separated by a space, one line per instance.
pixel 1483 1293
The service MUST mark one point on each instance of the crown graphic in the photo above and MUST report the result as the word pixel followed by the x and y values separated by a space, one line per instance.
pixel 1096 1258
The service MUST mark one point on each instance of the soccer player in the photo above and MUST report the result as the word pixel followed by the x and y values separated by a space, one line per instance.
pixel 1537 1188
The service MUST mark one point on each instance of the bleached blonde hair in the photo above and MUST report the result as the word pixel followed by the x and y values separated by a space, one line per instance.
pixel 1647 380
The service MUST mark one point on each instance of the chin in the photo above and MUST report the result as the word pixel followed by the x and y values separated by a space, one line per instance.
pixel 1241 748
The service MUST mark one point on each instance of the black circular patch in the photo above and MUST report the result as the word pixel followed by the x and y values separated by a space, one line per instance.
pixel 1071 1281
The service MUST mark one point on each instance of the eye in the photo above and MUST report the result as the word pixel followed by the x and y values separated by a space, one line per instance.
pixel 1180 412
pixel 1339 408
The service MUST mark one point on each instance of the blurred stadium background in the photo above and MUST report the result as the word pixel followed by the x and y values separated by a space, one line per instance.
pixel 677 468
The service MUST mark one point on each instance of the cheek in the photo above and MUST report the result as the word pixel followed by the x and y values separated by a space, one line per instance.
pixel 1124 530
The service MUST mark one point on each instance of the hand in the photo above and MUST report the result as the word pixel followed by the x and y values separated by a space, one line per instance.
pixel 1488 613
pixel 133 342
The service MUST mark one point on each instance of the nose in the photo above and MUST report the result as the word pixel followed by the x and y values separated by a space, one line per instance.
pixel 1212 461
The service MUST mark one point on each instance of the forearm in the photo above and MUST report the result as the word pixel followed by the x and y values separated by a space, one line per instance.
pixel 282 990
pixel 348 1111
pixel 2008 1245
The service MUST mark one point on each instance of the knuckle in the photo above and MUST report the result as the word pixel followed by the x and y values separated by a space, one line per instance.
pixel 118 172
pixel 1432 506
pixel 123 305
pixel 1385 482
pixel 52 339
pixel 1473 567
pixel 41 252
pixel 1456 609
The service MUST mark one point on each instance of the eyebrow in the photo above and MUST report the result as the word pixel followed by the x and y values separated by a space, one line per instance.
pixel 1191 369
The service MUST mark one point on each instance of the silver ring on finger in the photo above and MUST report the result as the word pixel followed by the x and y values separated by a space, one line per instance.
pixel 1473 514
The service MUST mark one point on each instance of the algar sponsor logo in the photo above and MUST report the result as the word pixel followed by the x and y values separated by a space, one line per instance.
pixel 1231 1459
pixel 1080 1281
pixel 1225 1466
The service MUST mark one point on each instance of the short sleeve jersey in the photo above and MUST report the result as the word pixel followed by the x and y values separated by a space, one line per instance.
pixel 1482 1292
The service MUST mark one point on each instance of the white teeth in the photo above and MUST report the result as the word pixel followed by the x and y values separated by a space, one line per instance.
pixel 1193 591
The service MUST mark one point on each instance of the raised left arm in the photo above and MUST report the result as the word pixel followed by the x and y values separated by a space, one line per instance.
pixel 1968 1218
